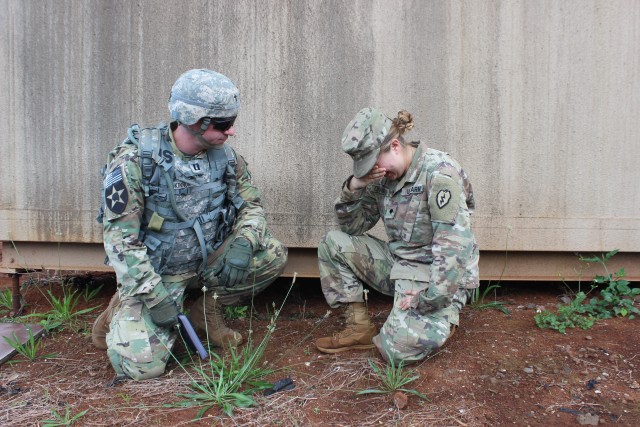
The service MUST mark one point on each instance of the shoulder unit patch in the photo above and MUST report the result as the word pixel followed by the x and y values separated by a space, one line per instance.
pixel 116 196
pixel 444 199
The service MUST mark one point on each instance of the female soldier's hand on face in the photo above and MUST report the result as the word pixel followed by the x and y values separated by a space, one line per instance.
pixel 376 174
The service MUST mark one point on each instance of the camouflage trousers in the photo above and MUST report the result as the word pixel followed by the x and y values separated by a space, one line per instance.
pixel 139 349
pixel 346 262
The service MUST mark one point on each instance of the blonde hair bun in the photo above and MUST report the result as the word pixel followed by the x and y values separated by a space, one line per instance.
pixel 404 121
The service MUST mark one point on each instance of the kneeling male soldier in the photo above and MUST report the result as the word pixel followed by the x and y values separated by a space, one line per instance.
pixel 180 211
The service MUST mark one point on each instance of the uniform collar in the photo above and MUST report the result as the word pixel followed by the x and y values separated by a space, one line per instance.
pixel 412 172
pixel 177 151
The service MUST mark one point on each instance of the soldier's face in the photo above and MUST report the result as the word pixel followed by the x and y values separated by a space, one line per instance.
pixel 393 161
pixel 213 137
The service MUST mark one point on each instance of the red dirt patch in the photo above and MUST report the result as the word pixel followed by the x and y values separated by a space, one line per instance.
pixel 496 370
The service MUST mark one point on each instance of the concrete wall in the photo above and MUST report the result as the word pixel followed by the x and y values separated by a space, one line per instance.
pixel 539 100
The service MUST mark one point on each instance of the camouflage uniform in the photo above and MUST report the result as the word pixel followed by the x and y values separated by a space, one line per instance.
pixel 138 348
pixel 430 248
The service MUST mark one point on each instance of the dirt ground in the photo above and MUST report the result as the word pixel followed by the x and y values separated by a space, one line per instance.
pixel 497 369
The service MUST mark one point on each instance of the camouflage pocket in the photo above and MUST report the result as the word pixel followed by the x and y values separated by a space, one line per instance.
pixel 414 220
pixel 129 335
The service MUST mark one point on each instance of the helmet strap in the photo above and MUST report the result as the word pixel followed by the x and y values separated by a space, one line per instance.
pixel 205 124
pixel 198 133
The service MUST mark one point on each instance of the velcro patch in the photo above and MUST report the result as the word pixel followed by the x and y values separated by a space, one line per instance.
pixel 115 194
pixel 444 199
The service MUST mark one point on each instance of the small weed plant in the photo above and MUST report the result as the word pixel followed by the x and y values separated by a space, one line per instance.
pixel 125 397
pixel 616 299
pixel 236 312
pixel 65 306
pixel 64 311
pixel 6 300
pixel 479 300
pixel 392 378
pixel 29 349
pixel 60 420
pixel 90 292
pixel 231 380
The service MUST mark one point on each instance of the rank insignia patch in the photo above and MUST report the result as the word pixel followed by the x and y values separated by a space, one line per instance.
pixel 115 193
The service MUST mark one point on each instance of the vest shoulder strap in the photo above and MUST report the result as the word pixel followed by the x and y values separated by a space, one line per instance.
pixel 230 177
pixel 150 145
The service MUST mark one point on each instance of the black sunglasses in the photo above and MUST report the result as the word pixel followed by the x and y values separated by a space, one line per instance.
pixel 221 124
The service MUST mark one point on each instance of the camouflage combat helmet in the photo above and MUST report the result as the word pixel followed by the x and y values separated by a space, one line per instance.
pixel 203 93
pixel 363 137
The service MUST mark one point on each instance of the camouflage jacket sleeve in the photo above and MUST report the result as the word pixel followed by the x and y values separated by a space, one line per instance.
pixel 124 206
pixel 250 222
pixel 357 211
pixel 453 241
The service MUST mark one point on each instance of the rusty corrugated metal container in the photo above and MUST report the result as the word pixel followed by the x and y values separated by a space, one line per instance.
pixel 538 100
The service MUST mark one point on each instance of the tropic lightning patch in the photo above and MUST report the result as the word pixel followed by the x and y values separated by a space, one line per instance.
pixel 116 196
pixel 444 199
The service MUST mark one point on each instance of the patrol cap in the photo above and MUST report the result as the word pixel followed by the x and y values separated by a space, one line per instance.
pixel 202 93
pixel 363 137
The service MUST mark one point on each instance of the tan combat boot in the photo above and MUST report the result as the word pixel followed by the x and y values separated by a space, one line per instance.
pixel 219 334
pixel 100 327
pixel 357 335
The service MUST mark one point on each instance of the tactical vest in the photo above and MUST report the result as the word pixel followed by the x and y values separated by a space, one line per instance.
pixel 190 205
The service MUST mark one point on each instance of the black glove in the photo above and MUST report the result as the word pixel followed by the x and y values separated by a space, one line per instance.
pixel 162 309
pixel 165 313
pixel 236 263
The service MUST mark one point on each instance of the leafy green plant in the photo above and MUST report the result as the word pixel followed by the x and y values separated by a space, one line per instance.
pixel 572 315
pixel 479 300
pixel 63 420
pixel 29 349
pixel 393 378
pixel 616 298
pixel 236 311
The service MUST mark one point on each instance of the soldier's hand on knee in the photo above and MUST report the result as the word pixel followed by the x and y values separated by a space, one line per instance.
pixel 165 313
pixel 236 263
pixel 162 308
